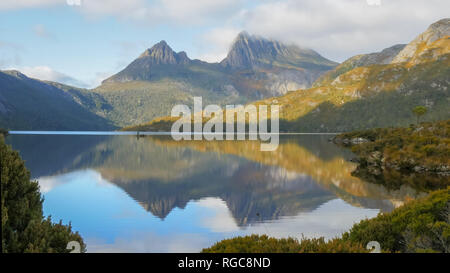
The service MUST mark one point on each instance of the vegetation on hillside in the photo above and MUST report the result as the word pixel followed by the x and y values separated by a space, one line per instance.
pixel 24 228
pixel 422 225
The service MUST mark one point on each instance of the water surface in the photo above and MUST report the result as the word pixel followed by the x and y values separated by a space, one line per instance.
pixel 154 194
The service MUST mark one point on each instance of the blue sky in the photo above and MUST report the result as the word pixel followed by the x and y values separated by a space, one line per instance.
pixel 81 45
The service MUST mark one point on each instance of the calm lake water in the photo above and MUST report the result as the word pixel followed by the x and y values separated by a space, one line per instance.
pixel 154 194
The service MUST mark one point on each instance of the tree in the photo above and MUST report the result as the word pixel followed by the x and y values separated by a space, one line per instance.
pixel 24 228
pixel 419 111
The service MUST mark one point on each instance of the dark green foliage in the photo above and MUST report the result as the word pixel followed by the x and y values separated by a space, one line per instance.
pixel 265 244
pixel 24 228
pixel 419 226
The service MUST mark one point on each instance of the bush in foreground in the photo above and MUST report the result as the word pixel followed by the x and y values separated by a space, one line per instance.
pixel 419 226
pixel 265 244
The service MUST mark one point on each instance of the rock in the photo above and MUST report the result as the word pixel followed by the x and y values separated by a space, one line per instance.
pixel 358 140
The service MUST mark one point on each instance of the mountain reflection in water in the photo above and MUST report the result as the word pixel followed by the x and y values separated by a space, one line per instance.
pixel 197 192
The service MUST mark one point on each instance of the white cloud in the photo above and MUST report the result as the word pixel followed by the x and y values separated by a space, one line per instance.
pixel 20 4
pixel 340 29
pixel 216 43
pixel 374 2
pixel 48 74
pixel 337 29
pixel 161 11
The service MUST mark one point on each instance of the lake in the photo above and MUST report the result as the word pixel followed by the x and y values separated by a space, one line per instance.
pixel 153 194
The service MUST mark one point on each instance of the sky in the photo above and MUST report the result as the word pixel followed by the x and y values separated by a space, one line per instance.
pixel 82 42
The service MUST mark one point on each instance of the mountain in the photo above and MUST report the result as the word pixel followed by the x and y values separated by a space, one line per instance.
pixel 272 68
pixel 250 52
pixel 375 92
pixel 368 91
pixel 161 78
pixel 30 104
pixel 156 62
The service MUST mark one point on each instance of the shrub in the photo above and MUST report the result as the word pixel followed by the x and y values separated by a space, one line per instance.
pixel 265 244
pixel 419 225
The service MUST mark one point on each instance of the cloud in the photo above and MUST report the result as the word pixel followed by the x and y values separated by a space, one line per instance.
pixel 21 4
pixel 216 43
pixel 48 74
pixel 340 29
pixel 174 12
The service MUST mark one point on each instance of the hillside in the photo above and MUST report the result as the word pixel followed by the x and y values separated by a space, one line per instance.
pixel 29 104
pixel 364 93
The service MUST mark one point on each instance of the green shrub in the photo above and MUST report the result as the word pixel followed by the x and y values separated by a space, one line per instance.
pixel 265 244
pixel 417 226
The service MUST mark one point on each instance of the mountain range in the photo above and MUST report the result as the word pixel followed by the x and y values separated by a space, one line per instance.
pixel 370 90
pixel 157 80
pixel 315 94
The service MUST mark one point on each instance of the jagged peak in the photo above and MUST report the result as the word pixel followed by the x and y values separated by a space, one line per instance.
pixel 249 50
pixel 162 46
pixel 162 53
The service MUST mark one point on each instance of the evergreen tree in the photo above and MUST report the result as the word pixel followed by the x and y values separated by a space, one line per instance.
pixel 419 111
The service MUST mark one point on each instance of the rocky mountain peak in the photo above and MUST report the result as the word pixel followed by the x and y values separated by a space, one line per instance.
pixel 162 53
pixel 250 51
pixel 436 31
pixel 146 65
